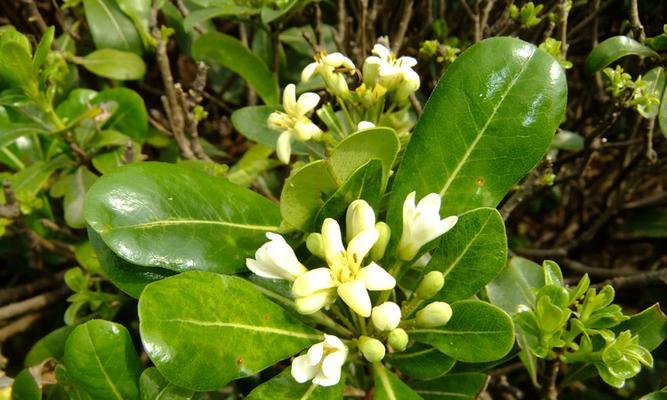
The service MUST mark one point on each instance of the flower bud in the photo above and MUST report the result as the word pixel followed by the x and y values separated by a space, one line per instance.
pixel 398 339
pixel 430 285
pixel 314 245
pixel 372 349
pixel 386 316
pixel 359 217
pixel 380 246
pixel 433 315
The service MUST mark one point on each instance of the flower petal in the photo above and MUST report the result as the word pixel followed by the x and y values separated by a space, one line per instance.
pixel 315 353
pixel 406 62
pixel 284 147
pixel 282 256
pixel 377 278
pixel 313 281
pixel 308 72
pixel 302 370
pixel 334 342
pixel 324 380
pixel 359 217
pixel 337 60
pixel 262 269
pixel 355 295
pixel 447 224
pixel 314 302
pixel 306 102
pixel 332 241
pixel 289 99
pixel 360 245
pixel 381 51
pixel 333 362
pixel 306 130
pixel 429 206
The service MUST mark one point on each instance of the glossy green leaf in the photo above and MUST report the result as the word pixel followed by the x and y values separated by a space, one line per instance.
pixel 173 217
pixel 389 387
pixel 358 148
pixel 75 104
pixel 15 65
pixel 659 395
pixel 251 123
pixel 230 53
pixel 477 332
pixel 101 359
pixel 499 103
pixel 129 115
pixel 514 287
pixel 110 27
pixel 308 190
pixel 471 254
pixel 25 387
pixel 275 10
pixel 452 387
pixel 139 12
pixel 613 49
pixel 50 346
pixel 33 178
pixel 128 277
pixel 284 387
pixel 153 386
pixel 254 162
pixel 235 330
pixel 43 48
pixel 82 180
pixel 9 132
pixel 364 183
pixel 650 325
pixel 655 82
pixel 114 64
pixel 421 362
pixel 229 10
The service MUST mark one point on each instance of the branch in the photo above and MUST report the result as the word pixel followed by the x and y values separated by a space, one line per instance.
pixel 32 304
pixel 398 38
pixel 18 326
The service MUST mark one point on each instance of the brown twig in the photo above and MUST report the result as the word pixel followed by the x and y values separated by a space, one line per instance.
pixel 35 15
pixel 549 388
pixel 18 292
pixel 32 304
pixel 18 326
pixel 635 22
pixel 641 279
pixel 397 40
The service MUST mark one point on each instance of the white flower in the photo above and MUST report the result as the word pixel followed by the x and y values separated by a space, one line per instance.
pixel 294 122
pixel 275 259
pixel 362 125
pixel 389 71
pixel 322 362
pixel 421 224
pixel 344 276
pixel 331 68
pixel 359 217
pixel 386 316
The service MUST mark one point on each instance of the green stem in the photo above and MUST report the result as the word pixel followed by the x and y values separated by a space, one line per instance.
pixel 343 318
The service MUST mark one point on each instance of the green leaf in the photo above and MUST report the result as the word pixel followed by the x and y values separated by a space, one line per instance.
pixel 662 114
pixel 284 387
pixel 9 132
pixel 33 178
pixel 660 395
pixel 15 65
pixel 81 181
pixel 452 387
pixel 307 191
pixel 613 49
pixel 365 183
pixel 515 285
pixel 235 330
pixel 499 103
pixel 389 387
pixel 655 80
pixel 178 218
pixel 477 332
pixel 113 64
pixel 471 254
pixel 270 13
pixel 50 346
pixel 358 148
pixel 422 362
pixel 128 277
pixel 101 359
pixel 230 53
pixel 139 12
pixel 254 162
pixel 43 48
pixel 129 115
pixel 153 386
pixel 650 325
pixel 25 387
pixel 251 123
pixel 110 27
pixel 75 104
pixel 228 10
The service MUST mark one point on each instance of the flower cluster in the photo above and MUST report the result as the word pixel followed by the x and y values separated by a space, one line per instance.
pixel 386 80
pixel 352 268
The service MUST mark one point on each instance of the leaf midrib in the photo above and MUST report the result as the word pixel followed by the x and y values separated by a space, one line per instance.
pixel 175 222
pixel 382 373
pixel 265 329
pixel 480 134
pixel 467 247
pixel 444 332
pixel 114 389
pixel 114 23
